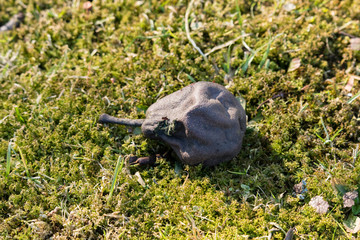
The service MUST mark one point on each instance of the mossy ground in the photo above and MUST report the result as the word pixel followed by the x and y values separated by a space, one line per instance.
pixel 65 66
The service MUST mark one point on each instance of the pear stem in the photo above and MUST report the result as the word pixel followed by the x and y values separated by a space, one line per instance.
pixel 105 118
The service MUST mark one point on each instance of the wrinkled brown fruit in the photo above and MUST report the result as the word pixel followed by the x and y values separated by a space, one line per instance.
pixel 202 123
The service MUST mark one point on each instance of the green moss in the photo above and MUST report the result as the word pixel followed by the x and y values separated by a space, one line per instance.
pixel 64 67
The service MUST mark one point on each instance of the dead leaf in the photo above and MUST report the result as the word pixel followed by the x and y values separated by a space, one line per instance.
pixel 304 88
pixel 139 179
pixel 50 214
pixel 289 7
pixel 294 64
pixel 349 198
pixel 113 215
pixel 352 224
pixel 319 204
pixel 329 81
pixel 355 44
pixel 350 83
pixel 290 234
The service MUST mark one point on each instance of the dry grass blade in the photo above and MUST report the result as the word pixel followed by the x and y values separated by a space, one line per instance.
pixel 188 10
pixel 24 162
pixel 140 179
pixel 290 234
pixel 350 83
pixel 225 44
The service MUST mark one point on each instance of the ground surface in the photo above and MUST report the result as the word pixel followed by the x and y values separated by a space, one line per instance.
pixel 66 65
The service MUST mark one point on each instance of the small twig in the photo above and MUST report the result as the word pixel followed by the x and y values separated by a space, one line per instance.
pixel 344 26
pixel 347 34
pixel 279 95
pixel 225 44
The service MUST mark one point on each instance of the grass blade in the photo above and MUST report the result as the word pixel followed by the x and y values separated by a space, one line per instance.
pixel 320 137
pixel 267 64
pixel 353 98
pixel 248 61
pixel 325 130
pixel 228 59
pixel 238 173
pixel 191 78
pixel 24 162
pixel 18 115
pixel 239 14
pixel 5 70
pixel 118 168
pixel 263 60
pixel 337 133
pixel 244 67
pixel 8 160
pixel 303 108
pixel 214 49
pixel 266 54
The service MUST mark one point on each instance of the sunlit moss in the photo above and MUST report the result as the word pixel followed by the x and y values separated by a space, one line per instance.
pixel 65 66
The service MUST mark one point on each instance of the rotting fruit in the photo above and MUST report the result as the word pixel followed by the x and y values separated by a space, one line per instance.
pixel 203 123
